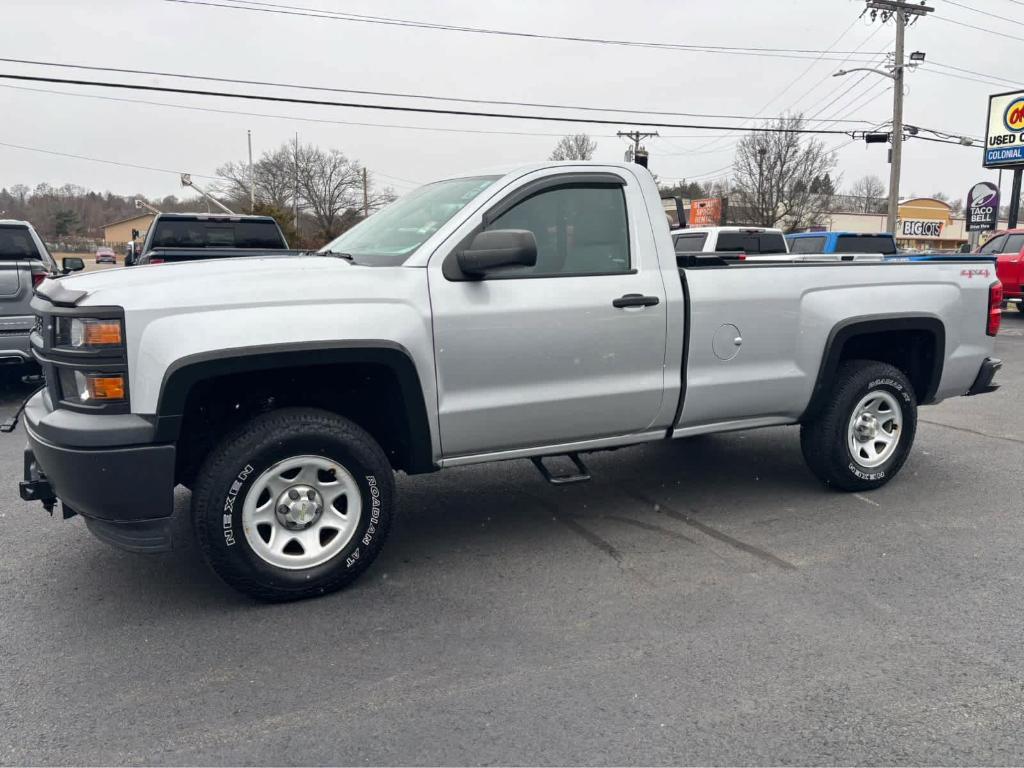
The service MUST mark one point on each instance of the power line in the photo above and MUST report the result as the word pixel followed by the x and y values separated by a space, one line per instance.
pixel 102 160
pixel 973 72
pixel 985 13
pixel 397 108
pixel 301 87
pixel 940 18
pixel 293 10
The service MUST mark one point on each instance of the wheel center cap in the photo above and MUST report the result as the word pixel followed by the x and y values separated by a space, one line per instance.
pixel 299 507
pixel 867 427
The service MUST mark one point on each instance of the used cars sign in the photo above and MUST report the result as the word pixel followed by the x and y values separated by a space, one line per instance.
pixel 982 206
pixel 1004 132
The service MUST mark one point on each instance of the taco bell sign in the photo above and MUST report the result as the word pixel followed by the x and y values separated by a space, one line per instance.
pixel 982 207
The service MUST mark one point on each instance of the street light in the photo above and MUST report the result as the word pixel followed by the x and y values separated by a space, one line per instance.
pixel 894 73
pixel 186 181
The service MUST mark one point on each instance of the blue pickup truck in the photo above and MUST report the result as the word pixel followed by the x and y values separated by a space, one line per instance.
pixel 842 242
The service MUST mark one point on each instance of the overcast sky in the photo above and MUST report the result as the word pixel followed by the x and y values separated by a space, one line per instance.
pixel 179 38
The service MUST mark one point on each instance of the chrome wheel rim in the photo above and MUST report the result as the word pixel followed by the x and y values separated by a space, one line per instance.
pixel 875 428
pixel 301 512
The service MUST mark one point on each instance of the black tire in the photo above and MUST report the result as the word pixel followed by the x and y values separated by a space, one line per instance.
pixel 825 440
pixel 230 471
pixel 1019 305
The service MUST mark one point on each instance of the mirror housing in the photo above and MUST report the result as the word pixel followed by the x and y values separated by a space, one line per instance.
pixel 72 264
pixel 498 249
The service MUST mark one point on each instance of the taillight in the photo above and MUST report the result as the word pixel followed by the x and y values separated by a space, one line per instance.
pixel 37 278
pixel 156 261
pixel 995 308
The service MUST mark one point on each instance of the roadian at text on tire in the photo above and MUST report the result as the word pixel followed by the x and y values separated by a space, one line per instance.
pixel 540 312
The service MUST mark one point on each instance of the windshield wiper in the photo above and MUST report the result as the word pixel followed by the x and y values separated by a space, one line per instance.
pixel 338 254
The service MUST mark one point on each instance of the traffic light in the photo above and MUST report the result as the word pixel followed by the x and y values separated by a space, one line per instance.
pixel 640 157
pixel 135 234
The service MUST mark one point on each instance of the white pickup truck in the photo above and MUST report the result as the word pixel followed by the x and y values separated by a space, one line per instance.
pixel 534 314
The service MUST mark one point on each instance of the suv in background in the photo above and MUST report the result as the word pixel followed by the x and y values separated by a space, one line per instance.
pixel 1007 246
pixel 24 264
pixel 749 240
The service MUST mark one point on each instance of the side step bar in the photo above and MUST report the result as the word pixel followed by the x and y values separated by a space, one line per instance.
pixel 581 476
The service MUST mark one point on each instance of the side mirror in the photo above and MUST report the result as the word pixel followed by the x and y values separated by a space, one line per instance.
pixel 72 264
pixel 498 249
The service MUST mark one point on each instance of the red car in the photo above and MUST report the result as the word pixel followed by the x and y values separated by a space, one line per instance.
pixel 1008 246
pixel 105 256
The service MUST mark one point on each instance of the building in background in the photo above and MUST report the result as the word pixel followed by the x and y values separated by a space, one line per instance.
pixel 924 224
pixel 120 232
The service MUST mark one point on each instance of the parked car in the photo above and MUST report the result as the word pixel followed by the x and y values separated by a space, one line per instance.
pixel 1007 246
pixel 842 242
pixel 105 256
pixel 24 264
pixel 748 240
pixel 535 314
pixel 174 237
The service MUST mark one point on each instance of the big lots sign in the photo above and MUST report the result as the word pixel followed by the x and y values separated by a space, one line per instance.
pixel 921 228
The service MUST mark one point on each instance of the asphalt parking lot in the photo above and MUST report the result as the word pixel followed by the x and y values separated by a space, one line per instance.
pixel 703 602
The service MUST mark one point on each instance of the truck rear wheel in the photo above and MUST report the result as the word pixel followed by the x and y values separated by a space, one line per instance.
pixel 862 437
pixel 293 504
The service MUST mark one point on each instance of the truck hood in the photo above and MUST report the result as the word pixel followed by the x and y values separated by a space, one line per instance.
pixel 256 281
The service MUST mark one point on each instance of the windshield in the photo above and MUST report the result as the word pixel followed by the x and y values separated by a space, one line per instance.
pixel 387 239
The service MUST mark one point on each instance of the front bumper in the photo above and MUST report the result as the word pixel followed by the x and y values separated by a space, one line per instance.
pixel 124 492
pixel 983 381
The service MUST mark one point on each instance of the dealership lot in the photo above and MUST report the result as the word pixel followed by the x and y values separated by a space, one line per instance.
pixel 703 601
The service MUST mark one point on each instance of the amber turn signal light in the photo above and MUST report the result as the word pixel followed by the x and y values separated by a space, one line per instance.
pixel 100 333
pixel 105 387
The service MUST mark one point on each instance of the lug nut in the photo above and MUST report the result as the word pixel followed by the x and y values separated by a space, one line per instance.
pixel 282 510
pixel 293 494
pixel 310 494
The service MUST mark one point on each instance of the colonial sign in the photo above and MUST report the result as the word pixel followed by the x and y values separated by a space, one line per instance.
pixel 982 207
pixel 921 228
pixel 1004 131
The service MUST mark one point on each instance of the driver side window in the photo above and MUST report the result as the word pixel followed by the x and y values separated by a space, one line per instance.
pixel 581 229
pixel 994 245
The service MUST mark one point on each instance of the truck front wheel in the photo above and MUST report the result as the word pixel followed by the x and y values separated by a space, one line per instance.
pixel 294 503
pixel 862 437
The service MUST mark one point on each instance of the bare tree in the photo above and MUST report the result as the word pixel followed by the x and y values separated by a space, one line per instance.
pixel 782 178
pixel 329 183
pixel 273 174
pixel 867 193
pixel 578 146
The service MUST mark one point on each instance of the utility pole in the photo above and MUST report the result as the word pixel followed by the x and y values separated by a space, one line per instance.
pixel 366 197
pixel 252 178
pixel 639 154
pixel 295 196
pixel 901 11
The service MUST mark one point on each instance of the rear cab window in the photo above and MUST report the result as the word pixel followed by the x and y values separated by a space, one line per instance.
pixel 807 244
pixel 751 242
pixel 865 244
pixel 16 243
pixel 693 241
pixel 217 233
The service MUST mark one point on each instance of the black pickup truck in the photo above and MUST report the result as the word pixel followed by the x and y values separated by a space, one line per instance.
pixel 174 237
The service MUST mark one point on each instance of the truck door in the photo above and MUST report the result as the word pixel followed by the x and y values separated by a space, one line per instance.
pixel 551 354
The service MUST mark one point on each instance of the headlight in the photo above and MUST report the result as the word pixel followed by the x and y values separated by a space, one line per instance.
pixel 88 388
pixel 89 333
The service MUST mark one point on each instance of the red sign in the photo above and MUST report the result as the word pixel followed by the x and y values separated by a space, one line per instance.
pixel 706 213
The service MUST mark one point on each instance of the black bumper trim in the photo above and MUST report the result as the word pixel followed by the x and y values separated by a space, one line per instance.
pixel 129 484
pixel 983 382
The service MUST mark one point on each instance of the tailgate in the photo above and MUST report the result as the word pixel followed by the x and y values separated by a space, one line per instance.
pixel 12 280
pixel 1008 268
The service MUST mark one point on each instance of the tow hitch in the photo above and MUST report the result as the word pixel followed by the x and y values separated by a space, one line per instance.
pixel 35 486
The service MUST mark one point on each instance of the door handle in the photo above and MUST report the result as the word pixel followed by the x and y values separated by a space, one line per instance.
pixel 634 300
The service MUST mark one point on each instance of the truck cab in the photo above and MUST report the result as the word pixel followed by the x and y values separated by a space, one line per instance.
pixel 842 242
pixel 1008 248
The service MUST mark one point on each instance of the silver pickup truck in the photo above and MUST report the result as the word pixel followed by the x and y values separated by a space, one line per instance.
pixel 24 263
pixel 535 314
